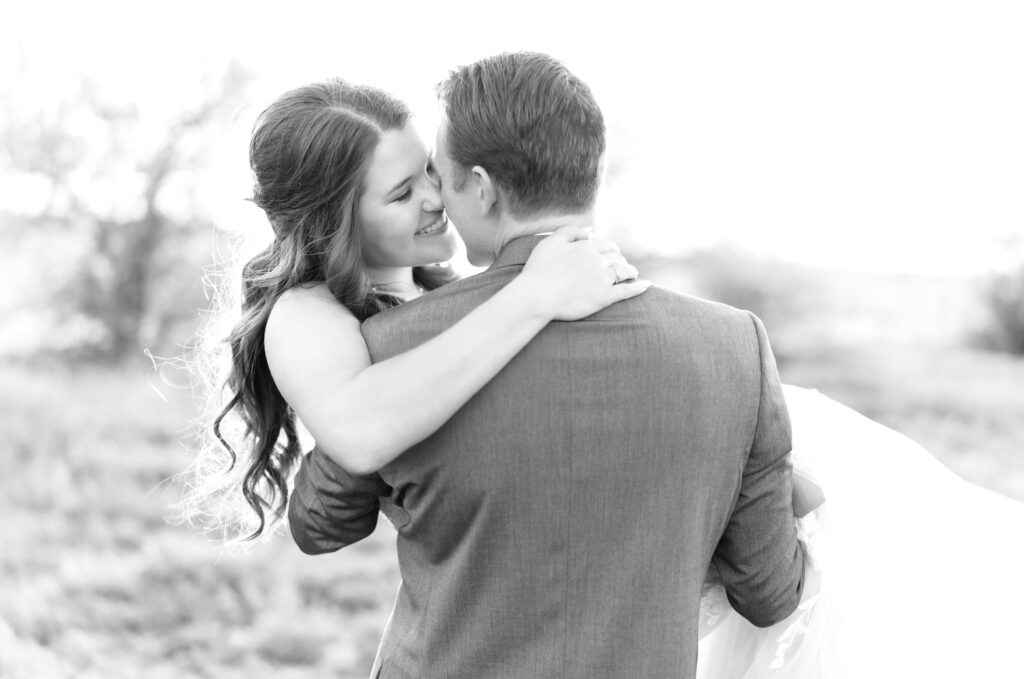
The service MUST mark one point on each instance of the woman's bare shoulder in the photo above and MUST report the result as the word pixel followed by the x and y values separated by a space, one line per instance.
pixel 307 303
pixel 310 333
pixel 309 292
pixel 303 314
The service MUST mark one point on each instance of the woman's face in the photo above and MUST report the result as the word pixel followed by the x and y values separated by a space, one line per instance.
pixel 401 219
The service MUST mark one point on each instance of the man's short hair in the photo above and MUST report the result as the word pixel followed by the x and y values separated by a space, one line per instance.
pixel 532 125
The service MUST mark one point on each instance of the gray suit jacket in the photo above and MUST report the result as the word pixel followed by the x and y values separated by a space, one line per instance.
pixel 562 522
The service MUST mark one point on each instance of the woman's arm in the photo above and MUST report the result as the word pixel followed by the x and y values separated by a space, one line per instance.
pixel 364 415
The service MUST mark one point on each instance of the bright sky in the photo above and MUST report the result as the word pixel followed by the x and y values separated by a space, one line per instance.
pixel 876 134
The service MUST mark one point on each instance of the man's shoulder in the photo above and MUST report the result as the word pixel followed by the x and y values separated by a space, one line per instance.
pixel 691 320
pixel 684 305
pixel 445 305
pixel 437 307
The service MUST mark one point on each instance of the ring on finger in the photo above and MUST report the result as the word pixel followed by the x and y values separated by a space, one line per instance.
pixel 615 270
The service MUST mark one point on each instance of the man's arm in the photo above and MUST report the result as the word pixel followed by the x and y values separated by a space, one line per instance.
pixel 330 508
pixel 759 558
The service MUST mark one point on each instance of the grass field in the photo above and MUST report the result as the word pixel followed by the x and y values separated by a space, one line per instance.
pixel 96 584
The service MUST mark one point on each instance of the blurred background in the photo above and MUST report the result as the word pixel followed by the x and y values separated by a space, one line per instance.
pixel 851 173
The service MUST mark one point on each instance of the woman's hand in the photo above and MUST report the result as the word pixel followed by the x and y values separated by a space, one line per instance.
pixel 572 274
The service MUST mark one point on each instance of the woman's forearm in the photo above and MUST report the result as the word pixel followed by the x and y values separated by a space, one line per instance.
pixel 394 404
pixel 369 414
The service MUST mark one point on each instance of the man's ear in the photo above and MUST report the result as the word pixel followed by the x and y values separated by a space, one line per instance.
pixel 486 191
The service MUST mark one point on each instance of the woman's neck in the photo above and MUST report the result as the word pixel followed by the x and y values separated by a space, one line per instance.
pixel 398 282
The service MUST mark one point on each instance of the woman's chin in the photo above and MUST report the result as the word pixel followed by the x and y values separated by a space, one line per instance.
pixel 440 246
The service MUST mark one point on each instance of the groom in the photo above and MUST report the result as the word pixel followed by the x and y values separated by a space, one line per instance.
pixel 562 522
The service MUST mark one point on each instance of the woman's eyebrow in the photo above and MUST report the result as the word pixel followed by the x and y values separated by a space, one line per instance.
pixel 399 185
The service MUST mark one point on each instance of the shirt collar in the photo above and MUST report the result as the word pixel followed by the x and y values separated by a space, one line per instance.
pixel 516 252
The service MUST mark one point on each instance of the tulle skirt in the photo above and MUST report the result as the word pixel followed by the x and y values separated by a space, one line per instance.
pixel 921 573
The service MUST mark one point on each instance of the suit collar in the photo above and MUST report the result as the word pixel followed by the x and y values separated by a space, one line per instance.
pixel 516 252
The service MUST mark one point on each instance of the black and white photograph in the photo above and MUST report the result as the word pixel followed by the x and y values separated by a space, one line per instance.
pixel 512 341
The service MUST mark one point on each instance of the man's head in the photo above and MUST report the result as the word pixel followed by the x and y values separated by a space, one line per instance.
pixel 521 137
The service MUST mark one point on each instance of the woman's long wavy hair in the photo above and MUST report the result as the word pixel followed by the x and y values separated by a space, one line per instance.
pixel 309 152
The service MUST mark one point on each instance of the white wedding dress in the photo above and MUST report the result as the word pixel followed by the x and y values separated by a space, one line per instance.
pixel 918 573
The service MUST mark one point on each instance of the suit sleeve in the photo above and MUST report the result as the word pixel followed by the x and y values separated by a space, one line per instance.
pixel 759 558
pixel 330 508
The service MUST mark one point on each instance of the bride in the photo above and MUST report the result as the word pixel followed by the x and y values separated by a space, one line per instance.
pixel 914 572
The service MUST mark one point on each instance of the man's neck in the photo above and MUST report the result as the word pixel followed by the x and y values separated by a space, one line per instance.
pixel 511 228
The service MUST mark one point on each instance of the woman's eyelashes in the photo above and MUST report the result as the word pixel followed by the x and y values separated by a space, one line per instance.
pixel 433 178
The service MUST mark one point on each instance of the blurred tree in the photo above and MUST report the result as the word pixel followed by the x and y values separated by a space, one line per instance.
pixel 1004 293
pixel 116 183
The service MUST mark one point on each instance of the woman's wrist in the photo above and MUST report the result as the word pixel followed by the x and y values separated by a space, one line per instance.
pixel 528 300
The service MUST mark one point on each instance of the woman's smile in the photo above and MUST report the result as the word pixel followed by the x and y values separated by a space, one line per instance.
pixel 438 226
